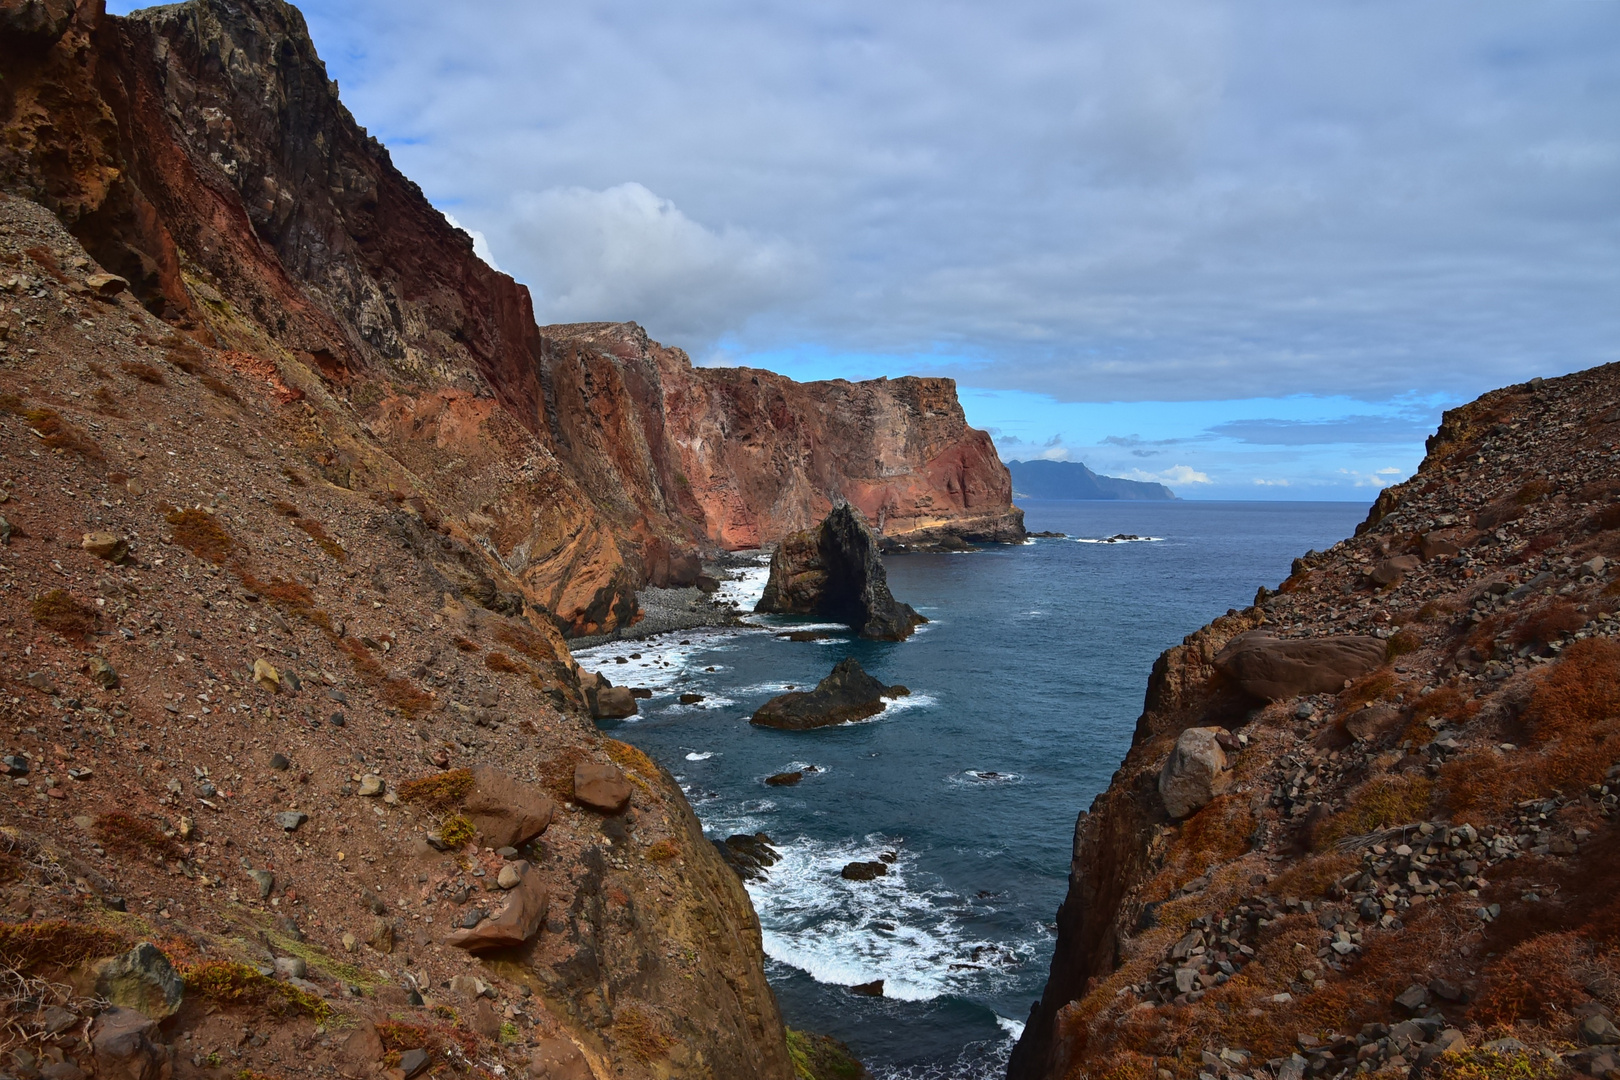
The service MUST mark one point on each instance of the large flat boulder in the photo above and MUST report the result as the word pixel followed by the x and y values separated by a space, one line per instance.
pixel 834 571
pixel 1195 773
pixel 507 812
pixel 1282 668
pixel 602 788
pixel 519 921
pixel 847 694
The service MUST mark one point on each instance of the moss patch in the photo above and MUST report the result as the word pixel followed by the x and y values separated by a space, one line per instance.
pixel 818 1057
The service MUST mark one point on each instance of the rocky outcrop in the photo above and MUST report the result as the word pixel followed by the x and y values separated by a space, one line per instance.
pixel 506 812
pixel 1267 666
pixel 846 695
pixel 836 572
pixel 1317 857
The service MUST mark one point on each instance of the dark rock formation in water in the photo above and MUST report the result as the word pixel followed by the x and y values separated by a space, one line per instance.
pixel 847 694
pixel 834 571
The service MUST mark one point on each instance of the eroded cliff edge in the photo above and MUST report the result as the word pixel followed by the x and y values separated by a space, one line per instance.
pixel 1410 871
pixel 200 151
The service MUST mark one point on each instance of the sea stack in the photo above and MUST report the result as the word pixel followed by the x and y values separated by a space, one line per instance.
pixel 834 572
pixel 846 695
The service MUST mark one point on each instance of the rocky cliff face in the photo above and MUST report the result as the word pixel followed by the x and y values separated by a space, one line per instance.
pixel 200 151
pixel 1394 848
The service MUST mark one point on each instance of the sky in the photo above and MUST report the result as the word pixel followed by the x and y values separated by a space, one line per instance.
pixel 1249 249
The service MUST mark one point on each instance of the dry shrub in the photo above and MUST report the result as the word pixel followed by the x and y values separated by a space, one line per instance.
pixel 499 661
pixel 127 834
pixel 1369 688
pixel 222 389
pixel 662 851
pixel 146 373
pixel 1482 639
pixel 1482 1064
pixel 457 832
pixel 187 357
pixel 1434 611
pixel 1532 491
pixel 1119 1065
pixel 639 1032
pixel 1607 518
pixel 293 477
pixel 26 947
pixel 465 644
pixel 198 532
pixel 281 590
pixel 525 642
pixel 1406 641
pixel 439 791
pixel 557 774
pixel 404 695
pixel 1313 875
pixel 446 1044
pixel 1219 832
pixel 97 370
pixel 1381 803
pixel 1445 703
pixel 322 538
pixel 285 508
pixel 58 434
pixel 1581 696
pixel 1534 981
pixel 106 403
pixel 1548 624
pixel 57 610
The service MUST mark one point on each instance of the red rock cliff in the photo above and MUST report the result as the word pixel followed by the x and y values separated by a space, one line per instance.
pixel 200 151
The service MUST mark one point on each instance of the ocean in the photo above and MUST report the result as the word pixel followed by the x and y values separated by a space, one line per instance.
pixel 1025 686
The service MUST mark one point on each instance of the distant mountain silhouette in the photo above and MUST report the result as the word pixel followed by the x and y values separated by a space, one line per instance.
pixel 1072 480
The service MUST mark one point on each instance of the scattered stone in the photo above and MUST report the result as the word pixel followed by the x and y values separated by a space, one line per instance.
pixel 291 967
pixel 266 676
pixel 371 785
pixel 1597 1030
pixel 1389 571
pixel 123 1046
pixel 106 545
pixel 290 820
pixel 1195 772
pixel 265 880
pixel 748 855
pixel 382 935
pixel 141 979
pixel 105 286
pixel 845 695
pixel 1413 1000
pixel 350 942
pixel 102 673
pixel 511 874
pixel 602 788
pixel 690 699
pixel 835 572
pixel 412 1062
pixel 279 762
pixel 612 703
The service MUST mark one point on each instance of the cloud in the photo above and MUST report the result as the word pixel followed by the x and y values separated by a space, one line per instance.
pixel 1176 474
pixel 626 254
pixel 480 242
pixel 1344 429
pixel 1271 483
pixel 1014 448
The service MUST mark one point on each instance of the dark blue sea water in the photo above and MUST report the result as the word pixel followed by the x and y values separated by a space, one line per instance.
pixel 1026 685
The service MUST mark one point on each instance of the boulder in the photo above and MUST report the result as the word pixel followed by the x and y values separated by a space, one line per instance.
pixel 784 779
pixel 558 1059
pixel 123 1044
pixel 601 787
pixel 507 812
pixel 1282 668
pixel 141 979
pixel 102 673
pixel 1389 571
pixel 834 572
pixel 1373 722
pixel 870 989
pixel 847 694
pixel 747 855
pixel 413 1061
pixel 1194 773
pixel 863 871
pixel 613 703
pixel 519 921
pixel 105 286
pixel 1433 548
pixel 106 545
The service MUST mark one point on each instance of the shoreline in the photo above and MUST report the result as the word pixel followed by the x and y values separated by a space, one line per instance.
pixel 668 611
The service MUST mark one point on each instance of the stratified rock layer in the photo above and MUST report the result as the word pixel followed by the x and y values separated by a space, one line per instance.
pixel 1390 873
pixel 835 572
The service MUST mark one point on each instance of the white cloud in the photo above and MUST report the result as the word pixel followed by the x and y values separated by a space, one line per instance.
pixel 480 242
pixel 1270 483
pixel 624 254
pixel 1176 474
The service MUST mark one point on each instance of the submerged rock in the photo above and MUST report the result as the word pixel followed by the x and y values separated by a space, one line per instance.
pixel 847 694
pixel 834 572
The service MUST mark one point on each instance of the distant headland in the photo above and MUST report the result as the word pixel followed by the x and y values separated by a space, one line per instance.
pixel 1072 480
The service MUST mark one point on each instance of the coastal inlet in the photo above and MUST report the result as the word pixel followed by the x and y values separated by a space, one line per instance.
pixel 1024 684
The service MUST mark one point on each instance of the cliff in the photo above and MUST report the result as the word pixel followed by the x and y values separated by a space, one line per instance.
pixel 200 151
pixel 1321 857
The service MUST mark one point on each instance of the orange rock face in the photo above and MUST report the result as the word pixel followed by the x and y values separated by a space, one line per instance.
pixel 200 152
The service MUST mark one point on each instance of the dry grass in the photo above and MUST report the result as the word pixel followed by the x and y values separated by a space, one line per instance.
pixel 198 532
pixel 1446 703
pixel 446 1044
pixel 322 539
pixel 1218 833
pixel 106 402
pixel 1369 688
pixel 30 946
pixel 525 642
pixel 1533 491
pixel 499 661
pixel 1547 624
pixel 127 834
pixel 58 610
pixel 1484 1064
pixel 146 373
pixel 464 644
pixel 406 696
pixel 638 1032
pixel 1406 641
pixel 1381 803
pixel 1534 981
pixel 58 434
pixel 227 982
pixel 222 389
pixel 439 791
pixel 662 851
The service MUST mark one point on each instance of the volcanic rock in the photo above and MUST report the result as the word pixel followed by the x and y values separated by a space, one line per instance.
pixel 748 855
pixel 141 979
pixel 784 779
pixel 507 812
pixel 847 694
pixel 1281 668
pixel 1194 773
pixel 835 572
pixel 603 788
pixel 558 1059
pixel 863 871
pixel 516 923
pixel 123 1044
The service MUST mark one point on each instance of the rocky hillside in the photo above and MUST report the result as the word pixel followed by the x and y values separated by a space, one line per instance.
pixel 1368 824
pixel 200 151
